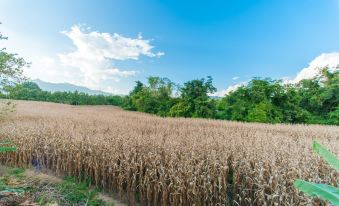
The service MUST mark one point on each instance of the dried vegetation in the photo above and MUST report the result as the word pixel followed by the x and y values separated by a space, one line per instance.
pixel 169 161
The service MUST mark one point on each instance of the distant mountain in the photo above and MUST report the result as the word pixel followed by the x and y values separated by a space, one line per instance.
pixel 65 87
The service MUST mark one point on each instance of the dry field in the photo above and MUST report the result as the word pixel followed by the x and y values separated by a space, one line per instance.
pixel 168 161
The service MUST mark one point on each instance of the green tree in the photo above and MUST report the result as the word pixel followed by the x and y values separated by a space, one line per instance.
pixel 130 100
pixel 24 91
pixel 253 102
pixel 330 93
pixel 234 106
pixel 310 92
pixel 10 73
pixel 260 113
pixel 31 91
pixel 194 101
pixel 11 66
pixel 154 98
pixel 320 97
pixel 262 100
pixel 333 117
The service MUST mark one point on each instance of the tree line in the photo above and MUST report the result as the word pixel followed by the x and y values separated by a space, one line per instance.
pixel 311 101
pixel 31 91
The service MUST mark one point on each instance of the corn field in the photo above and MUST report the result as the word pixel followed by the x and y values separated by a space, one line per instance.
pixel 150 160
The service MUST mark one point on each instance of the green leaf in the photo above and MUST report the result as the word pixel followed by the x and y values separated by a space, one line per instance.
pixel 5 142
pixel 7 149
pixel 330 158
pixel 325 192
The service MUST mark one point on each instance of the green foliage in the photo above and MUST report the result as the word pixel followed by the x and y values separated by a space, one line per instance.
pixel 5 147
pixel 7 179
pixel 333 117
pixel 10 73
pixel 326 155
pixel 323 191
pixel 181 109
pixel 78 193
pixel 194 100
pixel 69 191
pixel 10 66
pixel 154 98
pixel 262 100
pixel 265 100
pixel 16 172
pixel 259 113
pixel 157 97
pixel 31 91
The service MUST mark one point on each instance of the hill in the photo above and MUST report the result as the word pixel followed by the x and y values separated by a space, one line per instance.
pixel 66 87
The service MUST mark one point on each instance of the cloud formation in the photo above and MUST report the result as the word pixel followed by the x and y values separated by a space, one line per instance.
pixel 95 53
pixel 91 61
pixel 330 60
pixel 230 89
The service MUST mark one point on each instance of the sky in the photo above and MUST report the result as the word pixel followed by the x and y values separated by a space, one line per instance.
pixel 107 45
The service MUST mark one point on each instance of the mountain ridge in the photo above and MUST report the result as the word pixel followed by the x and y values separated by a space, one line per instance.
pixel 67 87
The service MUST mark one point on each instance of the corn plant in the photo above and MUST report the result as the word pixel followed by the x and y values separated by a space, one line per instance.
pixel 6 108
pixel 170 161
pixel 323 191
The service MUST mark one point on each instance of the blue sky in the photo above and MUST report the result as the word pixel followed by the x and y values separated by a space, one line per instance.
pixel 231 40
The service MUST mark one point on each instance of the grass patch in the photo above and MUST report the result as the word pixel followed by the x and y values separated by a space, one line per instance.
pixel 18 188
pixel 78 193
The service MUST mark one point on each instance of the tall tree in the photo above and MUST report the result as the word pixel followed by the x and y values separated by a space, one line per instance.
pixel 154 98
pixel 195 100
pixel 10 73
pixel 11 66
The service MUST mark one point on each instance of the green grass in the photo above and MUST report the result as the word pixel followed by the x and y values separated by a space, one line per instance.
pixel 69 191
pixel 75 192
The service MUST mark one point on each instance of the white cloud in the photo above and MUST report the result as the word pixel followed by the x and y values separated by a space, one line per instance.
pixel 95 45
pixel 235 78
pixel 330 60
pixel 230 89
pixel 49 69
pixel 96 52
pixel 91 62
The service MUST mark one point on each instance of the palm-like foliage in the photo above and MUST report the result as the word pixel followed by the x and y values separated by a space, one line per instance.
pixel 323 191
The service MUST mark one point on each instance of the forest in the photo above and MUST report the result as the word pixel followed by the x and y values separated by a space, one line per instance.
pixel 311 101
